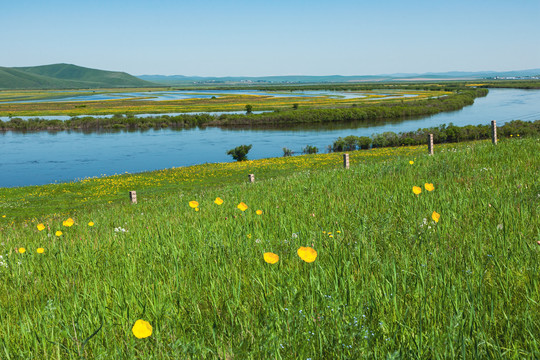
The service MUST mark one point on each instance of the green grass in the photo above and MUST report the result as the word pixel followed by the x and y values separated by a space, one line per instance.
pixel 388 284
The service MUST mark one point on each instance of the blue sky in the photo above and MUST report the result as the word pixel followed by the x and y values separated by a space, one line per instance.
pixel 273 37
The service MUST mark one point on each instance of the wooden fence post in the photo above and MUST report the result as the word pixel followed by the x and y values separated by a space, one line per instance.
pixel 133 197
pixel 494 132
pixel 430 144
pixel 251 178
pixel 346 161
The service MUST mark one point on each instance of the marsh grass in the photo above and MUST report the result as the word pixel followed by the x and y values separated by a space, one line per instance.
pixel 232 102
pixel 386 283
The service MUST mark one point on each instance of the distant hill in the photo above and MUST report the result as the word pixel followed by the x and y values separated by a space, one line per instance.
pixel 65 76
pixel 452 75
pixel 183 80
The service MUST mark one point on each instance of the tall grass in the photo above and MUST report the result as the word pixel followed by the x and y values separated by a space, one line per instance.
pixel 388 281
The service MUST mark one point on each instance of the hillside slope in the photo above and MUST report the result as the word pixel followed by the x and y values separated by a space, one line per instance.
pixel 65 76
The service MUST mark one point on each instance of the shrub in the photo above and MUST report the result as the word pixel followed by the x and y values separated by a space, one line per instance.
pixel 338 145
pixel 364 142
pixel 287 152
pixel 310 149
pixel 351 142
pixel 386 139
pixel 239 153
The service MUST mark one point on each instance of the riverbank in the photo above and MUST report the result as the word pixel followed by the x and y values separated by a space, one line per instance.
pixel 25 203
pixel 395 273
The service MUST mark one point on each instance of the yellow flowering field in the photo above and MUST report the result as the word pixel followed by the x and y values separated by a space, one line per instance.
pixel 227 102
pixel 27 202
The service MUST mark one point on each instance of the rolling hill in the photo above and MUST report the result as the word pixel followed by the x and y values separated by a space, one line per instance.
pixel 58 76
pixel 171 80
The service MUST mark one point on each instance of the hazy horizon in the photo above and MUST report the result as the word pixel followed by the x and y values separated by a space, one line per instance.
pixel 215 38
pixel 381 74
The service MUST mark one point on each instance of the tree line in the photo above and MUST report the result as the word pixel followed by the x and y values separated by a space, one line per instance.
pixel 441 134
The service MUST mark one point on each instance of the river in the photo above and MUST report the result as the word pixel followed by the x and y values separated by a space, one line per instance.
pixel 46 157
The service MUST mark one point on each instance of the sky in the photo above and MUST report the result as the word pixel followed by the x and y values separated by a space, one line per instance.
pixel 272 37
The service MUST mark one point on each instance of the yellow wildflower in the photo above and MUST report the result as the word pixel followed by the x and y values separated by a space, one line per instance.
pixel 258 212
pixel 40 227
pixel 91 223
pixel 429 187
pixel 69 222
pixel 307 254
pixel 142 329
pixel 417 190
pixel 435 216
pixel 193 204
pixel 58 233
pixel 22 250
pixel 218 201
pixel 242 206
pixel 271 258
pixel 40 250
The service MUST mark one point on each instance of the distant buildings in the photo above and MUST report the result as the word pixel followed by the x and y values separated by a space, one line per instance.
pixel 536 77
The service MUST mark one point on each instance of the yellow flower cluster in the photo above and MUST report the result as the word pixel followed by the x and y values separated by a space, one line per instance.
pixel 306 253
pixel 219 201
pixel 22 250
pixel 429 187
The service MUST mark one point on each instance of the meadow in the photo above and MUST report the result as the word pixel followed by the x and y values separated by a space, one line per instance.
pixel 286 111
pixel 404 255
pixel 231 102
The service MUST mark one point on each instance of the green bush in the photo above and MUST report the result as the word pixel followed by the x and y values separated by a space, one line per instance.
pixel 239 153
pixel 287 152
pixel 441 134
pixel 364 142
pixel 309 149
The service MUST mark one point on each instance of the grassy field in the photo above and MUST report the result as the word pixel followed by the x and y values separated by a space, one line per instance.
pixel 26 203
pixel 221 103
pixel 388 281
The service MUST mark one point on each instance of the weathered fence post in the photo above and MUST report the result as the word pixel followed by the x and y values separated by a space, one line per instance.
pixel 430 144
pixel 494 132
pixel 346 161
pixel 133 197
pixel 251 178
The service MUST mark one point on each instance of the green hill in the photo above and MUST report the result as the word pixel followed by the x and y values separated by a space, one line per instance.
pixel 65 76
